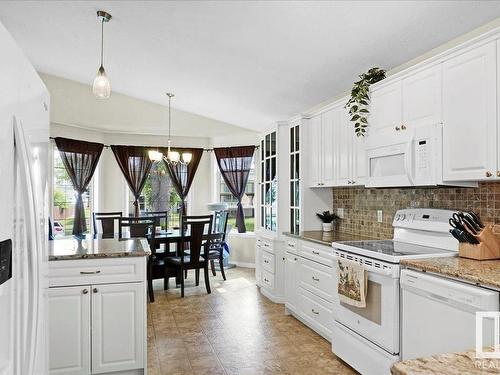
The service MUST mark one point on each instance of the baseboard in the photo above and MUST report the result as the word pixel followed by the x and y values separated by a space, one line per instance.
pixel 242 264
pixel 272 297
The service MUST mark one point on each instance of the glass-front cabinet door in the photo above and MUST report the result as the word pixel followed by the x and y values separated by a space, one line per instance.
pixel 268 182
pixel 294 205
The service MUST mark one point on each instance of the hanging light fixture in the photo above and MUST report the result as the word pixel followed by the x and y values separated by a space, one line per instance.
pixel 173 157
pixel 101 87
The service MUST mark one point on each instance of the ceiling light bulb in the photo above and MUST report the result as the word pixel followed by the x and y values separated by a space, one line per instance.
pixel 155 155
pixel 101 87
pixel 187 157
pixel 174 156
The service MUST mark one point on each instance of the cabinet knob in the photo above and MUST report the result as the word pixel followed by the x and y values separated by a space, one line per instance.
pixel 353 182
pixel 315 252
pixel 403 127
pixel 498 173
pixel 283 258
pixel 96 290
pixel 294 258
pixel 85 291
pixel 397 128
pixel 315 312
pixel 315 278
pixel 489 174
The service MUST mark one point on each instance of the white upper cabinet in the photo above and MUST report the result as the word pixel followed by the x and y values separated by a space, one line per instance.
pixel 469 115
pixel 422 98
pixel 385 118
pixel 328 122
pixel 315 151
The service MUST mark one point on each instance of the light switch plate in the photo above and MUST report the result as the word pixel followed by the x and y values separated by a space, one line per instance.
pixel 379 216
pixel 340 212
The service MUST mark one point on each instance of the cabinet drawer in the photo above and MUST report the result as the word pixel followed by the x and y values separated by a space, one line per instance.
pixel 292 246
pixel 96 271
pixel 268 262
pixel 316 278
pixel 316 310
pixel 267 279
pixel 317 253
pixel 267 245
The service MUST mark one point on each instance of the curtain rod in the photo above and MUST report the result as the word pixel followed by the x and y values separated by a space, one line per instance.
pixel 204 149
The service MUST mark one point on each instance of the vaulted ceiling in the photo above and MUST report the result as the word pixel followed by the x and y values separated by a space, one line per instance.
pixel 246 63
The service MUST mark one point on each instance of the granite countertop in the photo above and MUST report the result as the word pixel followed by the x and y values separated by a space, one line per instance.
pixel 485 272
pixel 450 363
pixel 71 248
pixel 325 238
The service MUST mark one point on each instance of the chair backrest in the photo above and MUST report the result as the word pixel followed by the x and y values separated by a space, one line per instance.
pixel 197 227
pixel 138 226
pixel 220 222
pixel 160 218
pixel 106 221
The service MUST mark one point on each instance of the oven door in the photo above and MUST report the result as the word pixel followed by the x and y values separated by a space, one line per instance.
pixel 379 320
pixel 391 165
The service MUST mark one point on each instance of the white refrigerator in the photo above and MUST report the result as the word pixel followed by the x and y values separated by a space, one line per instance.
pixel 24 136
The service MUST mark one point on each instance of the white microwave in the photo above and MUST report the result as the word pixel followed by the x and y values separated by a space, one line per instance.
pixel 415 159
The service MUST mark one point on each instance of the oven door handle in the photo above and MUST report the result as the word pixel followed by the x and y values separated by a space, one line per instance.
pixel 369 268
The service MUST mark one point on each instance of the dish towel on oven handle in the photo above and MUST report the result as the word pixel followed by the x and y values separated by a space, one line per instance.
pixel 352 283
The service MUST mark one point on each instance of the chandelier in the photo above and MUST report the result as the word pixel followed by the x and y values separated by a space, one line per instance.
pixel 172 157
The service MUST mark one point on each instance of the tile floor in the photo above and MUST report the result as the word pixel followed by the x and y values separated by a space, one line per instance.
pixel 235 330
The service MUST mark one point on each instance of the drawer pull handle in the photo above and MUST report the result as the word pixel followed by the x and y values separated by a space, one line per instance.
pixel 315 279
pixel 95 290
pixel 291 244
pixel 266 245
pixel 315 312
pixel 85 291
pixel 266 261
pixel 266 280
pixel 315 252
pixel 89 272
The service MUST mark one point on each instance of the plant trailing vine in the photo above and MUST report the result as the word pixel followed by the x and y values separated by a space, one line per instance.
pixel 360 99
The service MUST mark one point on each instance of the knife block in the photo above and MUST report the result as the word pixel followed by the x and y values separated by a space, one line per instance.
pixel 488 247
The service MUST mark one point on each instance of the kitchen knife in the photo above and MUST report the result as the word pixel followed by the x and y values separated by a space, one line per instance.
pixel 476 219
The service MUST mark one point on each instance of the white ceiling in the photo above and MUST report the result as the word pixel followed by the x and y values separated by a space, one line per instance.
pixel 244 63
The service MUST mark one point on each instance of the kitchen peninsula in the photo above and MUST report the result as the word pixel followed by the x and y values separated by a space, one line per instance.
pixel 97 305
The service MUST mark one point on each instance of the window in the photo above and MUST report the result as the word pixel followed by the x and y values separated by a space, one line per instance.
pixel 248 205
pixel 158 194
pixel 268 183
pixel 294 179
pixel 64 199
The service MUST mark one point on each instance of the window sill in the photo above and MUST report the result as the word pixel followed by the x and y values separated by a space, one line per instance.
pixel 236 234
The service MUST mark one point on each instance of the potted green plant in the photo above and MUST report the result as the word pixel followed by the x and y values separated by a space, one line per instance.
pixel 328 218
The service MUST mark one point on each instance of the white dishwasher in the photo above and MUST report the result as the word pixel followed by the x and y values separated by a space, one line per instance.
pixel 438 315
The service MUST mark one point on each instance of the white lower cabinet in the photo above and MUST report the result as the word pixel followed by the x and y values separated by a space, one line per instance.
pixel 270 267
pixel 97 328
pixel 69 327
pixel 309 285
pixel 117 327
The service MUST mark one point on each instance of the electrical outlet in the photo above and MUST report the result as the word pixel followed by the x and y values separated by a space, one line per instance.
pixel 379 216
pixel 340 212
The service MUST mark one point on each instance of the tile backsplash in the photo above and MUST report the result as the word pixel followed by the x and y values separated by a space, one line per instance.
pixel 361 204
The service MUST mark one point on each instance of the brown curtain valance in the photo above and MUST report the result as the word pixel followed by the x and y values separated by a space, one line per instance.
pixel 80 160
pixel 234 165
pixel 135 165
pixel 182 175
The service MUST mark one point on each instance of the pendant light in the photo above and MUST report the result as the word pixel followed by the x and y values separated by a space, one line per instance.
pixel 101 87
pixel 173 157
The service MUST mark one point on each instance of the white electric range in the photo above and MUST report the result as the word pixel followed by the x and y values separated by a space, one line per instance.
pixel 368 338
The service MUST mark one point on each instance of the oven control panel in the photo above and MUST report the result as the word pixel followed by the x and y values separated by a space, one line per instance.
pixel 423 219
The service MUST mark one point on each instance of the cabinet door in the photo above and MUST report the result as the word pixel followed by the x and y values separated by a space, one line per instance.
pixel 359 160
pixel 328 120
pixel 118 327
pixel 291 293
pixel 69 330
pixel 343 142
pixel 315 158
pixel 469 115
pixel 422 98
pixel 386 112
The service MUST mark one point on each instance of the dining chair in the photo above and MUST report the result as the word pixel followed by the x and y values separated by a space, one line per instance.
pixel 138 226
pixel 216 250
pixel 157 266
pixel 160 218
pixel 106 221
pixel 197 228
